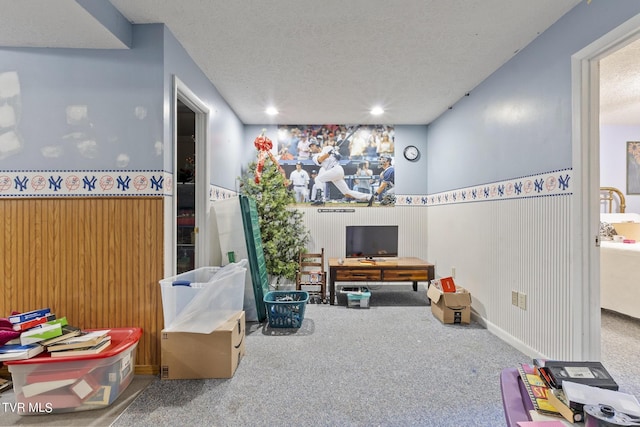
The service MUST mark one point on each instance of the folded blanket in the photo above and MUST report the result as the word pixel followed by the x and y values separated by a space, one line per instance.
pixel 6 331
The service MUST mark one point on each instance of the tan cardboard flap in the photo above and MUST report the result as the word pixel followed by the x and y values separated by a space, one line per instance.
pixel 450 299
pixel 434 294
pixel 457 300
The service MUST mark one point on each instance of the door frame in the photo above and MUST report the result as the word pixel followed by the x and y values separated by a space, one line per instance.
pixel 585 87
pixel 202 172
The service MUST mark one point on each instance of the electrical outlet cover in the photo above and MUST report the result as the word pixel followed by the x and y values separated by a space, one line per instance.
pixel 522 301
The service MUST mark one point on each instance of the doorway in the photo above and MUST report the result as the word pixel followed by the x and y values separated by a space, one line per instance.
pixel 185 185
pixel 619 123
pixel 191 180
pixel 586 159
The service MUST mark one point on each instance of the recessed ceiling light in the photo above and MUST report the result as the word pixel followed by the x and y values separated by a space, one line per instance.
pixel 272 111
pixel 376 111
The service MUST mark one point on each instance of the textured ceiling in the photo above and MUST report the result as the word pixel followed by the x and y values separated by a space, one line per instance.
pixel 620 86
pixel 331 61
pixel 325 61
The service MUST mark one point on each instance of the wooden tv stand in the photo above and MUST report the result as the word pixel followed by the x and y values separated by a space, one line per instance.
pixel 381 270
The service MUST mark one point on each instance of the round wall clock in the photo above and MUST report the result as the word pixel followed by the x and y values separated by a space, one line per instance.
pixel 411 153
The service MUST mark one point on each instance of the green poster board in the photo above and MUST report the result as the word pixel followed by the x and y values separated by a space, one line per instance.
pixel 257 263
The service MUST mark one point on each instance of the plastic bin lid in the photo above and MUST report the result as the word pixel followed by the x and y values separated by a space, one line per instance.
pixel 121 339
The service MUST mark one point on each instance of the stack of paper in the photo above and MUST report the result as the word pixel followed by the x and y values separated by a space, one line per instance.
pixel 580 394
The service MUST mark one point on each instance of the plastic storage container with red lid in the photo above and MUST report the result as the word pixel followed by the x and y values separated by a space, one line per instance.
pixel 44 384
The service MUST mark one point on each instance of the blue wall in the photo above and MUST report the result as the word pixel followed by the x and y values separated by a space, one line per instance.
pixel 225 133
pixel 120 89
pixel 411 177
pixel 107 109
pixel 518 121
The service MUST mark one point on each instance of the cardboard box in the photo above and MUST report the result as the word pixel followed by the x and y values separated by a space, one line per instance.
pixel 188 355
pixel 450 307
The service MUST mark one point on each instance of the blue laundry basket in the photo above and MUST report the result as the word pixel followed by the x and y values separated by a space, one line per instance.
pixel 285 309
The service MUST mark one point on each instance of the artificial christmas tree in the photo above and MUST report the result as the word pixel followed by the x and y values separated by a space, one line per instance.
pixel 282 230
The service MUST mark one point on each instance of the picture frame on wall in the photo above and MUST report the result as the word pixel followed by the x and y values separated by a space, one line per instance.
pixel 633 167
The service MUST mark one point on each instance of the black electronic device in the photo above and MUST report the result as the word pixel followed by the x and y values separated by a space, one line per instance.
pixel 590 373
pixel 371 241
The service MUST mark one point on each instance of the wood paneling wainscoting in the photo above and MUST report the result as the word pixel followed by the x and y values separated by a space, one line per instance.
pixel 96 261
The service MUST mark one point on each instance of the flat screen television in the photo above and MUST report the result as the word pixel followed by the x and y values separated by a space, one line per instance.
pixel 371 241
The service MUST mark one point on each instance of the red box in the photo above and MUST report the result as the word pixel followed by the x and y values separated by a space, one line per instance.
pixel 448 285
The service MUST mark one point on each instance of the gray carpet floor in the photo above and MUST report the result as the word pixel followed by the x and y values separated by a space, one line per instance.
pixel 393 364
pixel 620 337
pixel 94 418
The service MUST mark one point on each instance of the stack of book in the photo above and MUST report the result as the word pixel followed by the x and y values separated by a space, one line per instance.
pixel 563 388
pixel 17 351
pixel 41 331
pixel 34 326
pixel 74 385
pixel 84 343
pixel 537 390
pixel 23 321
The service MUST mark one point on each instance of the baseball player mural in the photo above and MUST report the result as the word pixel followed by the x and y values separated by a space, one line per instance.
pixel 336 155
pixel 385 191
pixel 331 171
pixel 299 179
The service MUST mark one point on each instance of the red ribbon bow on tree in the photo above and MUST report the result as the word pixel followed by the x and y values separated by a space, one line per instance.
pixel 264 146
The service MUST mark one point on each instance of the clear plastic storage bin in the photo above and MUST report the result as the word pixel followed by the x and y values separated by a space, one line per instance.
pixel 45 385
pixel 219 292
pixel 343 294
